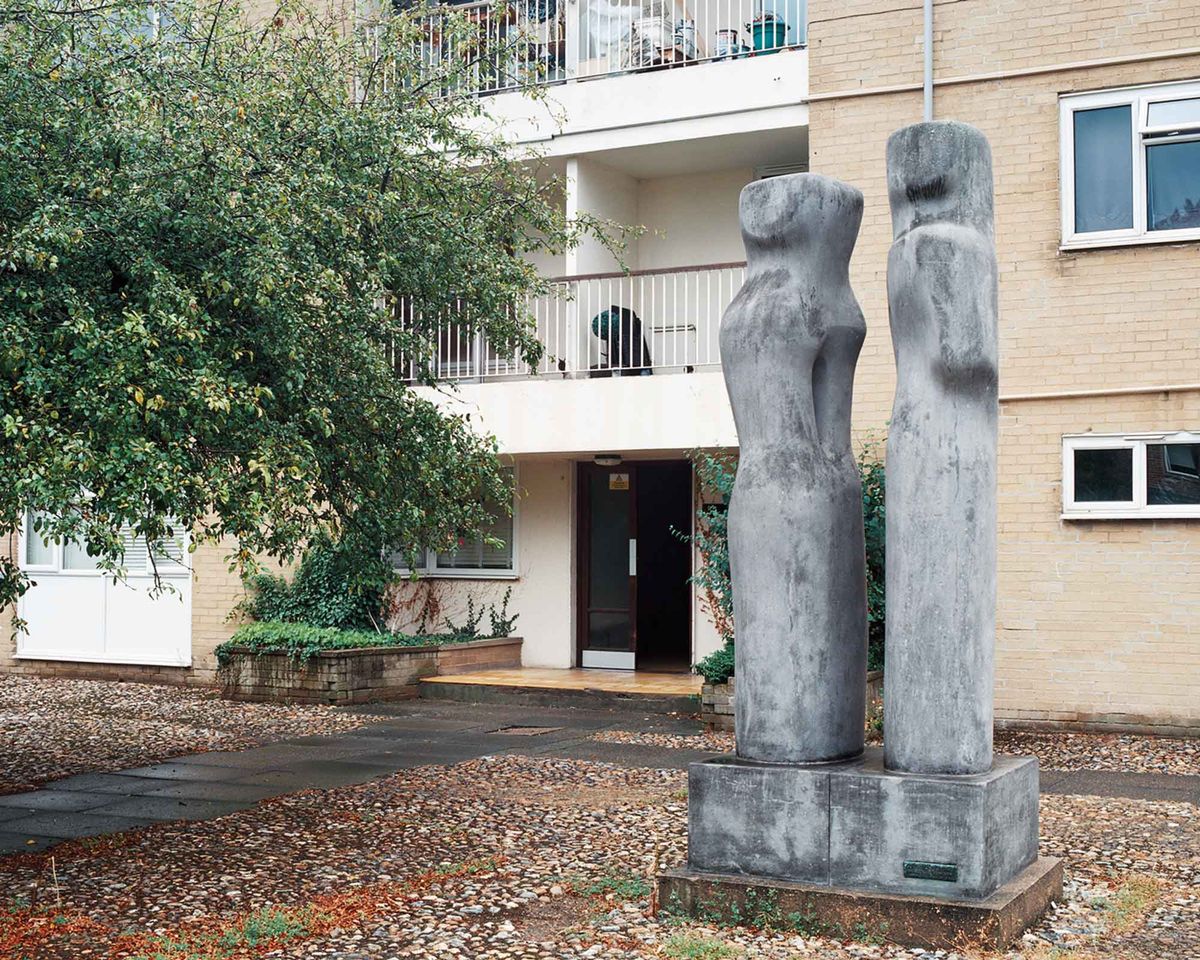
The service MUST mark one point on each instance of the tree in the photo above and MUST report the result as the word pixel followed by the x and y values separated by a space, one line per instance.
pixel 205 231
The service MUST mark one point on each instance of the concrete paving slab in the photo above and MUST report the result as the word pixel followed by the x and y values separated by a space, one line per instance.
pixel 68 826
pixel 242 793
pixel 169 808
pixel 23 843
pixel 65 800
pixel 185 771
pixel 122 783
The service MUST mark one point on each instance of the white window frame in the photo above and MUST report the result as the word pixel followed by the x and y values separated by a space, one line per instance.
pixel 1138 99
pixel 429 569
pixel 168 572
pixel 1137 507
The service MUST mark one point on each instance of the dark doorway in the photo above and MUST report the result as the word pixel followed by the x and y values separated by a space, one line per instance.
pixel 664 510
pixel 634 568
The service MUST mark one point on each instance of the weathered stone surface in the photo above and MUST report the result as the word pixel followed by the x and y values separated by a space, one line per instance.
pixel 985 826
pixel 854 824
pixel 789 344
pixel 991 923
pixel 941 452
pixel 768 820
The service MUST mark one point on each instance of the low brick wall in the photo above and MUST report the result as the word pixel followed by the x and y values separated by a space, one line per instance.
pixel 358 676
pixel 716 700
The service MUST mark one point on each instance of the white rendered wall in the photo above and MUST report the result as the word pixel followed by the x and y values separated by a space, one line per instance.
pixel 670 413
pixel 691 219
pixel 703 100
pixel 603 192
pixel 544 594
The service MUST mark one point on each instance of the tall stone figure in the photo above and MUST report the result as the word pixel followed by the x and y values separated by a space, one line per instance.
pixel 789 344
pixel 941 453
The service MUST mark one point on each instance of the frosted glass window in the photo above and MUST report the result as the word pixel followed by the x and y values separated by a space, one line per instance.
pixel 38 552
pixel 1103 169
pixel 1173 185
pixel 75 557
pixel 1166 113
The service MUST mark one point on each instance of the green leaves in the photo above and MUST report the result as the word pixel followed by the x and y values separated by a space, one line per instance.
pixel 203 237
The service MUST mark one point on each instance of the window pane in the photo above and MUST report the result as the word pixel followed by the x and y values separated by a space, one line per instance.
pixel 1185 113
pixel 75 557
pixel 477 555
pixel 1173 473
pixel 38 552
pixel 1173 185
pixel 1103 169
pixel 1104 475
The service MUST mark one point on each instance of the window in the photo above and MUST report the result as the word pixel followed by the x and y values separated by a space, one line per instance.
pixel 1131 475
pixel 170 557
pixel 474 557
pixel 1131 165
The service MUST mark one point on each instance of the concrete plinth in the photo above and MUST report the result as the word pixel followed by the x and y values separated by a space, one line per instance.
pixel 855 825
pixel 990 923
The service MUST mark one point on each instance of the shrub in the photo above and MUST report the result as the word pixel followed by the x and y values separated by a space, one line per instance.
pixel 302 641
pixel 717 667
pixel 711 540
pixel 333 586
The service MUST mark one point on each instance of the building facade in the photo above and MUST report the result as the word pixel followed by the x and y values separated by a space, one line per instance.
pixel 656 116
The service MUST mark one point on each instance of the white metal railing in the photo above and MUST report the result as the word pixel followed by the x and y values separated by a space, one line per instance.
pixel 497 45
pixel 618 324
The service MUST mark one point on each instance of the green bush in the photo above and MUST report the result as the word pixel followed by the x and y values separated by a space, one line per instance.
pixel 302 641
pixel 717 667
pixel 711 540
pixel 333 586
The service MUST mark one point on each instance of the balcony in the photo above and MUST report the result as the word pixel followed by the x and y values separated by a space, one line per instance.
pixel 636 324
pixel 506 45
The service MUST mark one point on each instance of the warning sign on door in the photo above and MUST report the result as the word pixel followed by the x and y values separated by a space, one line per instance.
pixel 618 481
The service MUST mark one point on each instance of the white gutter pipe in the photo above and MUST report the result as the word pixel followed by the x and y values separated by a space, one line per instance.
pixel 928 60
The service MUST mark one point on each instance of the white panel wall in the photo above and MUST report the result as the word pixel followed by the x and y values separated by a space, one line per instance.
pixel 691 220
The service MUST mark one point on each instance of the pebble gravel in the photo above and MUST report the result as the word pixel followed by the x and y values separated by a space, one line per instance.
pixel 53 728
pixel 515 858
pixel 1055 751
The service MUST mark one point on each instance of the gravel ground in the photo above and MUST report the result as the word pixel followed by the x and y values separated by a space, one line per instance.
pixel 1055 751
pixel 52 728
pixel 514 857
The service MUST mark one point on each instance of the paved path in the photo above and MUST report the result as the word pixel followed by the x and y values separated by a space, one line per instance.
pixel 412 734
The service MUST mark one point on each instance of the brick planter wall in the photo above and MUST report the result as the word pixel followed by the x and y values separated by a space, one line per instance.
pixel 358 676
pixel 716 700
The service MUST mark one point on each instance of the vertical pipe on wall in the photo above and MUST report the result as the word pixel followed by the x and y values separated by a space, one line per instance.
pixel 928 60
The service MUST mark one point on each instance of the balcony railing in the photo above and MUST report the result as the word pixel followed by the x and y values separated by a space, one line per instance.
pixel 641 323
pixel 508 44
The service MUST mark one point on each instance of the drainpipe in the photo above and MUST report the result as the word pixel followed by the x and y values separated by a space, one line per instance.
pixel 928 60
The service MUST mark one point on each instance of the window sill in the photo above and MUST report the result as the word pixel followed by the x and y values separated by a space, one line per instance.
pixel 1146 240
pixel 462 574
pixel 52 657
pixel 1128 515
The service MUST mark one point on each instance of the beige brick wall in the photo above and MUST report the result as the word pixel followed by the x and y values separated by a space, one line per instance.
pixel 1093 617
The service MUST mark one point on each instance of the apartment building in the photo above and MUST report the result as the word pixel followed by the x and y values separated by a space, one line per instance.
pixel 657 113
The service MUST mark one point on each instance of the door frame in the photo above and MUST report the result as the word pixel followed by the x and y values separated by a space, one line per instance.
pixel 582 513
pixel 585 470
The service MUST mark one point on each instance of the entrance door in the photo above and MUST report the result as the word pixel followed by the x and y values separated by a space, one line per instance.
pixel 607 566
pixel 634 567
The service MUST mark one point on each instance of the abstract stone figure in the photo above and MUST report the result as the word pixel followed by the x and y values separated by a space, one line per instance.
pixel 789 343
pixel 941 453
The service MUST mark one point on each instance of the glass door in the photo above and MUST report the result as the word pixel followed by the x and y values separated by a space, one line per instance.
pixel 607 566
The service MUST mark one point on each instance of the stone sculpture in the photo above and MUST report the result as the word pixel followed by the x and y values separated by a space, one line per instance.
pixel 941 452
pixel 789 344
pixel 930 840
